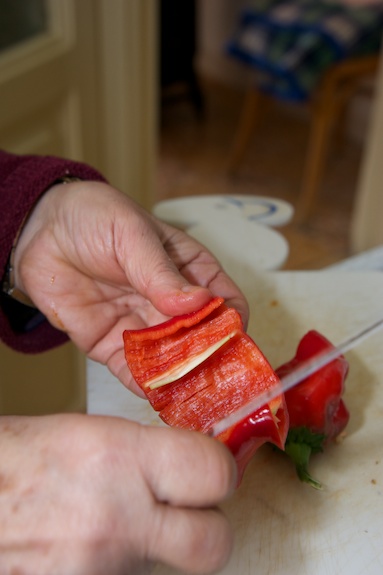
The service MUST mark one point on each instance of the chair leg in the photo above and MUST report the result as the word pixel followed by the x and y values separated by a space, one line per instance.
pixel 338 85
pixel 322 121
pixel 340 129
pixel 250 114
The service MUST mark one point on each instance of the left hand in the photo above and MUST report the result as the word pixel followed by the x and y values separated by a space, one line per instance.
pixel 96 263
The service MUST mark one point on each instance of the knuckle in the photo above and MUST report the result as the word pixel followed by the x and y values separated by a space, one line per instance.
pixel 210 546
pixel 220 469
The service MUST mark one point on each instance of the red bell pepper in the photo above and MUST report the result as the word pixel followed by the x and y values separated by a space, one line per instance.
pixel 316 409
pixel 197 368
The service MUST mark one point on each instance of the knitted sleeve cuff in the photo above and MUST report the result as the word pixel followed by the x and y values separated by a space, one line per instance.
pixel 23 179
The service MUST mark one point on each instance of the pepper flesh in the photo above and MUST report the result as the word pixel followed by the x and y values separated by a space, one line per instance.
pixel 235 372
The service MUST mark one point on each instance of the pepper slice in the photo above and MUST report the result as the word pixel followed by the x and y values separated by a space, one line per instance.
pixel 198 368
pixel 160 357
pixel 316 409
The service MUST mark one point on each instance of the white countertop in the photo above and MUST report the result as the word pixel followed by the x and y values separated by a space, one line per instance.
pixel 281 526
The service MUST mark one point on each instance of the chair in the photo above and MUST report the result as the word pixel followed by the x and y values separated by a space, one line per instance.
pixel 333 84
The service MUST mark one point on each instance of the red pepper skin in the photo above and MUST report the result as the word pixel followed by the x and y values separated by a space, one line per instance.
pixel 217 386
pixel 173 324
pixel 316 409
pixel 317 402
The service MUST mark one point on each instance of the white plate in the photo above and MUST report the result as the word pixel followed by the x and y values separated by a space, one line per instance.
pixel 191 209
pixel 235 228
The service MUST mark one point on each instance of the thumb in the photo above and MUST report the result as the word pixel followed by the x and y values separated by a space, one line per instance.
pixel 171 293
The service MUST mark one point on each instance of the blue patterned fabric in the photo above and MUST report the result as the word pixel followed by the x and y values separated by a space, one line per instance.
pixel 291 43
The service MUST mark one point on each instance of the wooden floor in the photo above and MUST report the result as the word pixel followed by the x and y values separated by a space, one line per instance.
pixel 193 151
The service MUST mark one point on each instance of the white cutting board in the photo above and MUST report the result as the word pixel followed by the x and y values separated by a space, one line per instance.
pixel 283 527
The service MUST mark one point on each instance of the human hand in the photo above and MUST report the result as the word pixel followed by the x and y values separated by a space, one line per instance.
pixel 91 495
pixel 95 263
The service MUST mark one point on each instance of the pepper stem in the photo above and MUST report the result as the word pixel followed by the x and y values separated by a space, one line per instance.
pixel 301 443
pixel 300 454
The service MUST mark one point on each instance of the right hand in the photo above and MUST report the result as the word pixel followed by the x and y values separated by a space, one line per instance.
pixel 90 495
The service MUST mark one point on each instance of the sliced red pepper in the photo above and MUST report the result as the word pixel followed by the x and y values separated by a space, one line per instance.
pixel 316 409
pixel 196 369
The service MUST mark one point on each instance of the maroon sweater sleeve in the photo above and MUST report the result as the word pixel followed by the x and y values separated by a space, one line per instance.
pixel 23 179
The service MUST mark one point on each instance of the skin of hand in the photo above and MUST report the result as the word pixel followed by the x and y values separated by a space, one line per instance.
pixel 89 495
pixel 96 263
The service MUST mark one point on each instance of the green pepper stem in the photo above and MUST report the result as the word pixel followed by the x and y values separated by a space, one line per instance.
pixel 300 454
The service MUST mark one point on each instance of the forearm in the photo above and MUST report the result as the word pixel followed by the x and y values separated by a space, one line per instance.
pixel 23 179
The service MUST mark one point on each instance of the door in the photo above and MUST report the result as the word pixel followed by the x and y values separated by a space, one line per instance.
pixel 47 78
pixel 77 79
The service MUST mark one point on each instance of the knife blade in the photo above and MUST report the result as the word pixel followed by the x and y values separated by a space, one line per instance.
pixel 301 372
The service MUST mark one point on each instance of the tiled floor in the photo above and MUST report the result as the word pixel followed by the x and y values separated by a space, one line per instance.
pixel 192 157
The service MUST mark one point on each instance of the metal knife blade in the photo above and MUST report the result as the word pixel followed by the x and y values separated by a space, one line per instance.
pixel 304 370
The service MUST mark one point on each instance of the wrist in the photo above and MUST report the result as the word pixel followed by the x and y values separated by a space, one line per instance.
pixel 12 284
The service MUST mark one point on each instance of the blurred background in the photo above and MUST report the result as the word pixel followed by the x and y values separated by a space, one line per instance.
pixel 198 135
pixel 148 92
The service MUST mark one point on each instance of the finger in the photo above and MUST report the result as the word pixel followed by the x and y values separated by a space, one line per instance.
pixel 200 267
pixel 154 274
pixel 187 468
pixel 199 541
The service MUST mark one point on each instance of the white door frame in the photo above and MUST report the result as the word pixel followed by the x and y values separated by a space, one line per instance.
pixel 128 94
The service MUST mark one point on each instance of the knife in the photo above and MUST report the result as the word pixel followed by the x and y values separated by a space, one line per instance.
pixel 301 372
